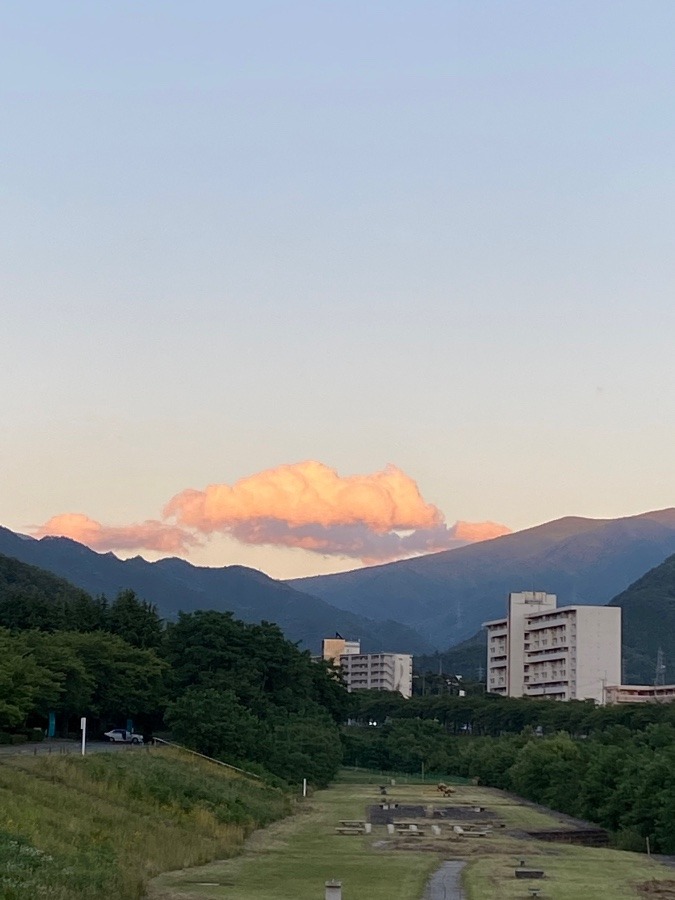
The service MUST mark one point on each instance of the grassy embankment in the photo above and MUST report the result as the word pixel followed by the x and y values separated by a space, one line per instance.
pixel 77 829
pixel 291 859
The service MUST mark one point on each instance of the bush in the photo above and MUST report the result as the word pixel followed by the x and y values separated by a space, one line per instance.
pixel 629 839
pixel 36 734
pixel 5 738
pixel 18 738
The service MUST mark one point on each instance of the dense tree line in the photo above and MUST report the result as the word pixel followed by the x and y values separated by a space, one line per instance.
pixel 491 715
pixel 621 779
pixel 234 690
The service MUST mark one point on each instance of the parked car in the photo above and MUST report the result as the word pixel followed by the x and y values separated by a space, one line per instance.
pixel 122 736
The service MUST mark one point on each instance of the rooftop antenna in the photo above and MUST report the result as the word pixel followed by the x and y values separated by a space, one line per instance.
pixel 660 676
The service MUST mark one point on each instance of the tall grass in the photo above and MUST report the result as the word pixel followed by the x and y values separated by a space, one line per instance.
pixel 104 825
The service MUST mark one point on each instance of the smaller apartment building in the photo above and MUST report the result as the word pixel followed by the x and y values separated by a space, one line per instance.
pixel 571 653
pixel 641 693
pixel 378 672
pixel 370 671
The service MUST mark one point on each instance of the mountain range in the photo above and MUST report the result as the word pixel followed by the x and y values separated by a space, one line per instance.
pixel 648 626
pixel 419 605
pixel 447 596
pixel 174 585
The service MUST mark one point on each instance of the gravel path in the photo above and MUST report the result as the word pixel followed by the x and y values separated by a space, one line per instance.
pixel 445 883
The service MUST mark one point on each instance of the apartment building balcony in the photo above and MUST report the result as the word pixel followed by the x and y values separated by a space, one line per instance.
pixel 532 657
pixel 558 690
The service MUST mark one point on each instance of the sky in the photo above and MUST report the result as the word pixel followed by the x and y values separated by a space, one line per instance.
pixel 309 285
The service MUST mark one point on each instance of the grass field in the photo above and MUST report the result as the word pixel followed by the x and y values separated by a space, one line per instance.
pixel 292 859
pixel 108 825
pixel 80 829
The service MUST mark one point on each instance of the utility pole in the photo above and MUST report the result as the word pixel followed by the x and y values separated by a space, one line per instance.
pixel 660 675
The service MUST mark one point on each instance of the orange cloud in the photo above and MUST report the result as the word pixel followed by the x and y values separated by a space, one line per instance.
pixel 308 493
pixel 151 534
pixel 478 531
pixel 375 518
pixel 360 542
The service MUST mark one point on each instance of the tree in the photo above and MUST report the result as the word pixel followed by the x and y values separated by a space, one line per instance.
pixel 414 743
pixel 136 621
pixel 128 681
pixel 215 723
pixel 544 770
pixel 22 681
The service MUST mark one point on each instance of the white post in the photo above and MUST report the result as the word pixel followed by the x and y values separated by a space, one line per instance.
pixel 333 890
pixel 83 727
pixel 304 787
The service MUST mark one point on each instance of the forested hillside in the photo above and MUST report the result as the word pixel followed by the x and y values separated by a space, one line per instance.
pixel 235 690
pixel 648 615
pixel 648 625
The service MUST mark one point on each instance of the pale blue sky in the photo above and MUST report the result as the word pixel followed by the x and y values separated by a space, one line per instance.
pixel 433 234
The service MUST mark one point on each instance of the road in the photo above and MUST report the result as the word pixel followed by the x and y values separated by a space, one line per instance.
pixel 64 747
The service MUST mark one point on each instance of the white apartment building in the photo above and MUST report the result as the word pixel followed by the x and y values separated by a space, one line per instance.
pixel 538 650
pixel 378 671
pixel 369 671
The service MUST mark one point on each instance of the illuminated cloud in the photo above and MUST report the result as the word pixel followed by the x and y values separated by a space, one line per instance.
pixel 374 518
pixel 151 534
pixel 308 493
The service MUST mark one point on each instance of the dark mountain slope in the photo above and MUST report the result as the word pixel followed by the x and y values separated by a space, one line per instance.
pixel 446 596
pixel 173 585
pixel 18 577
pixel 648 624
pixel 648 615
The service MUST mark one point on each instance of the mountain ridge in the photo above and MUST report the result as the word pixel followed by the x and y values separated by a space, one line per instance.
pixel 446 596
pixel 176 584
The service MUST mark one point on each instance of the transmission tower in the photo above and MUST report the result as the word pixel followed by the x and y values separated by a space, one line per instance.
pixel 660 675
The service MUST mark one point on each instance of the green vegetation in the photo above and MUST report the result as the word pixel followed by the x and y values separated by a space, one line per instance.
pixel 648 614
pixel 76 828
pixel 292 859
pixel 232 690
pixel 621 760
pixel 572 873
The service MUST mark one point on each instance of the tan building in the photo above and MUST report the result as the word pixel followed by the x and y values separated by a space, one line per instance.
pixel 333 648
pixel 369 671
pixel 538 650
pixel 640 693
